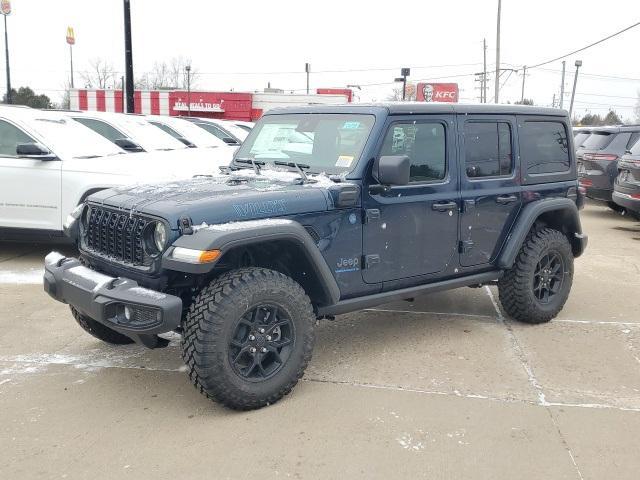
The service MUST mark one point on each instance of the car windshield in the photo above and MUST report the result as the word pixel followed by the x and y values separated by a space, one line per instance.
pixel 597 140
pixel 327 143
pixel 580 138
pixel 148 135
pixel 73 139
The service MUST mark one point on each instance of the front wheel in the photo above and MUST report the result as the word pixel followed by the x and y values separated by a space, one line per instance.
pixel 537 286
pixel 248 337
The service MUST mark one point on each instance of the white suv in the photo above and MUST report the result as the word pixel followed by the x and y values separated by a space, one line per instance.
pixel 49 163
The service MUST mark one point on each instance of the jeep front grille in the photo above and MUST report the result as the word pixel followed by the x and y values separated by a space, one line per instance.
pixel 116 235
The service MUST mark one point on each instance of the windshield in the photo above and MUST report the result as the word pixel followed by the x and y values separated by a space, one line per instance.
pixel 580 137
pixel 149 137
pixel 329 143
pixel 73 139
pixel 597 141
pixel 190 131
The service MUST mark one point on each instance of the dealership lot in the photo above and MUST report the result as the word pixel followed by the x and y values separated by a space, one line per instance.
pixel 443 387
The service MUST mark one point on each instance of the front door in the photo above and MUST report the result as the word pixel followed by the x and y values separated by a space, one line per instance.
pixel 30 189
pixel 412 230
pixel 491 194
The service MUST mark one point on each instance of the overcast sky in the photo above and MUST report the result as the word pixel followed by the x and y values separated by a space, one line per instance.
pixel 225 40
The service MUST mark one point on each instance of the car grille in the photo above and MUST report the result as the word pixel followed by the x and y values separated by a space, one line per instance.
pixel 116 235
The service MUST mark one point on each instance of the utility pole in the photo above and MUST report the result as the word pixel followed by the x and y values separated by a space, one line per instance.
pixel 573 92
pixel 553 101
pixel 122 86
pixel 564 66
pixel 497 95
pixel 484 71
pixel 524 76
pixel 188 69
pixel 307 69
pixel 6 10
pixel 128 57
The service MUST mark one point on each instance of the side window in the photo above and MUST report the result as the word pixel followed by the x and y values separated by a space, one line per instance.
pixel 488 149
pixel 167 129
pixel 633 140
pixel 544 147
pixel 423 143
pixel 10 137
pixel 104 129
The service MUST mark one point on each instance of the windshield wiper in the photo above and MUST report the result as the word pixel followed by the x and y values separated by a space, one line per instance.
pixel 299 166
pixel 255 163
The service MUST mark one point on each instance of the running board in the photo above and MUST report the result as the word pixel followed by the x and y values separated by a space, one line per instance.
pixel 360 303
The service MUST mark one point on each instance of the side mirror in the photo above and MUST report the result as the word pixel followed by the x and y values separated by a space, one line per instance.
pixel 392 170
pixel 37 151
pixel 230 141
pixel 128 145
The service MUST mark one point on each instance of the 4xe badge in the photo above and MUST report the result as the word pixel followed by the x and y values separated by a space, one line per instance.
pixel 348 265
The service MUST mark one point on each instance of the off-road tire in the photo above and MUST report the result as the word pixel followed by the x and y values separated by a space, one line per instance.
pixel 99 331
pixel 516 287
pixel 210 324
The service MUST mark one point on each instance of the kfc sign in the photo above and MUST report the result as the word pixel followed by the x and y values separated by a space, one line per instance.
pixel 437 92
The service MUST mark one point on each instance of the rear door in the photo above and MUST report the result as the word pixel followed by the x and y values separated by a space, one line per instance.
pixel 490 190
pixel 30 189
pixel 412 230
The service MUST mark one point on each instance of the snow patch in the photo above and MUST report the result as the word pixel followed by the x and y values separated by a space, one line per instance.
pixel 145 292
pixel 87 274
pixel 249 224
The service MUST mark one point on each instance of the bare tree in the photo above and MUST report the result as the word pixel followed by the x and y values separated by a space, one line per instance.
pixel 100 74
pixel 167 75
pixel 178 72
pixel 396 95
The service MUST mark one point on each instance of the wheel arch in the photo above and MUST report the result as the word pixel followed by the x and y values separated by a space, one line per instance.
pixel 558 213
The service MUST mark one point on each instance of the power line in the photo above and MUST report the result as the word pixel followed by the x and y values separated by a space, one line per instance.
pixel 584 48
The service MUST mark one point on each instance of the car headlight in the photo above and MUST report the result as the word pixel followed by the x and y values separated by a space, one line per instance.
pixel 160 236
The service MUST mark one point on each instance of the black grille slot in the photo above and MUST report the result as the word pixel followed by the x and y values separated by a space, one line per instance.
pixel 117 235
pixel 312 231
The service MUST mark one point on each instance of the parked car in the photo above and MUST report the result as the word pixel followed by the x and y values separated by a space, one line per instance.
pixel 132 133
pixel 188 132
pixel 626 189
pixel 50 163
pixel 580 134
pixel 243 265
pixel 598 159
pixel 218 130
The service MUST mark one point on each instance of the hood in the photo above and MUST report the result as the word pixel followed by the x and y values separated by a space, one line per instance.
pixel 238 196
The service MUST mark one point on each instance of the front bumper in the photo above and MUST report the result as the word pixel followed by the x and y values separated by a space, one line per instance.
pixel 116 302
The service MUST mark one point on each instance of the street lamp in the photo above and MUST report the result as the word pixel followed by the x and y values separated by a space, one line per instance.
pixel 578 64
pixel 404 72
pixel 6 10
pixel 188 70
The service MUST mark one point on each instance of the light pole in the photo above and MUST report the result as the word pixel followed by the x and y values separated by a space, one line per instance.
pixel 564 66
pixel 128 57
pixel 71 40
pixel 5 9
pixel 573 92
pixel 497 92
pixel 188 70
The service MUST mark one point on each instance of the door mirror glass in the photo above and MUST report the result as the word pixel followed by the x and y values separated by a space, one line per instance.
pixel 128 145
pixel 34 150
pixel 392 170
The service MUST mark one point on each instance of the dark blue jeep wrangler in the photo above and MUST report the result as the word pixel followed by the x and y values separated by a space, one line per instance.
pixel 327 210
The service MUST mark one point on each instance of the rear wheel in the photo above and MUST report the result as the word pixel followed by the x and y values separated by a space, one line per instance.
pixel 248 337
pixel 536 288
pixel 99 331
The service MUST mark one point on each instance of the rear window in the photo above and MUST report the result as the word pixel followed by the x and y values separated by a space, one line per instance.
pixel 598 140
pixel 579 139
pixel 544 147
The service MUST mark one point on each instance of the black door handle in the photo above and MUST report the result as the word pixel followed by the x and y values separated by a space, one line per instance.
pixel 444 206
pixel 504 199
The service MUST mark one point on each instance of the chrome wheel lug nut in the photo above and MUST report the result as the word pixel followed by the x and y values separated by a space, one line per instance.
pixel 263 350
pixel 268 338
pixel 252 349
pixel 252 337
pixel 261 330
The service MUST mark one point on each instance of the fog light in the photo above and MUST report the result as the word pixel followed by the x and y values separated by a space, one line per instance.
pixel 128 312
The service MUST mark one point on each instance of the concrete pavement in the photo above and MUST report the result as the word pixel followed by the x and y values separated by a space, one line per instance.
pixel 444 387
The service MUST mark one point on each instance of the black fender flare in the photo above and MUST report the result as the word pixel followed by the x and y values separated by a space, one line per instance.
pixel 568 221
pixel 226 237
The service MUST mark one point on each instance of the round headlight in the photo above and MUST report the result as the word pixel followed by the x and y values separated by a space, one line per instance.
pixel 160 236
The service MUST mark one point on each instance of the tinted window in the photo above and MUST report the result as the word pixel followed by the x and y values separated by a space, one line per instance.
pixel 579 139
pixel 487 149
pixel 598 140
pixel 633 140
pixel 544 147
pixel 10 137
pixel 104 129
pixel 423 143
pixel 216 131
pixel 167 129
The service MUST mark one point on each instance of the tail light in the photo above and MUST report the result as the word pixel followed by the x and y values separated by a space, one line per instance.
pixel 585 182
pixel 600 156
pixel 635 196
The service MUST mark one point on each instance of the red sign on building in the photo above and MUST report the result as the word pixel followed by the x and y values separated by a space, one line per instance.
pixel 437 92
